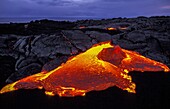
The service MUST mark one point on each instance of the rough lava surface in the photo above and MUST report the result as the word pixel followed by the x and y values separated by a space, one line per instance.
pixel 43 45
pixel 98 68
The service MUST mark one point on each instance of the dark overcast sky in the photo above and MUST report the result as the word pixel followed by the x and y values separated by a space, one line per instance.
pixel 83 8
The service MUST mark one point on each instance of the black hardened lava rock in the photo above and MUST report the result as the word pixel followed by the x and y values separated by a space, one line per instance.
pixel 28 48
pixel 35 44
pixel 7 67
pixel 35 27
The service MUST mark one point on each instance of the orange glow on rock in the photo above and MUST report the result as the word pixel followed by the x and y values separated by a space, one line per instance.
pixel 123 28
pixel 100 67
pixel 111 29
pixel 82 27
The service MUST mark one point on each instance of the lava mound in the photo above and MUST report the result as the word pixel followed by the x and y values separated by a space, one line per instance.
pixel 103 65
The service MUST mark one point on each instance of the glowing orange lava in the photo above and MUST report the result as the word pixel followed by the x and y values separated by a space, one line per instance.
pixel 82 27
pixel 100 67
pixel 111 29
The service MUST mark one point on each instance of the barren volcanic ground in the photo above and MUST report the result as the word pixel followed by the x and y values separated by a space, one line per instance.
pixel 28 48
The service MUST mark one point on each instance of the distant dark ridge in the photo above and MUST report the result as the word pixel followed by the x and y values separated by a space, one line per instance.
pixel 46 26
pixel 35 27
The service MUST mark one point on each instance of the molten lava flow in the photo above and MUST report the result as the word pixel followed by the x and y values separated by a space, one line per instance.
pixel 100 67
pixel 111 29
pixel 82 27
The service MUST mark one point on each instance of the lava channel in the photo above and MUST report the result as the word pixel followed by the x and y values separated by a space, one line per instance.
pixel 100 67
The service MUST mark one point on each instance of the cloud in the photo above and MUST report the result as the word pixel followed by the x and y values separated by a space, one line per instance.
pixel 86 8
pixel 62 2
pixel 166 7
